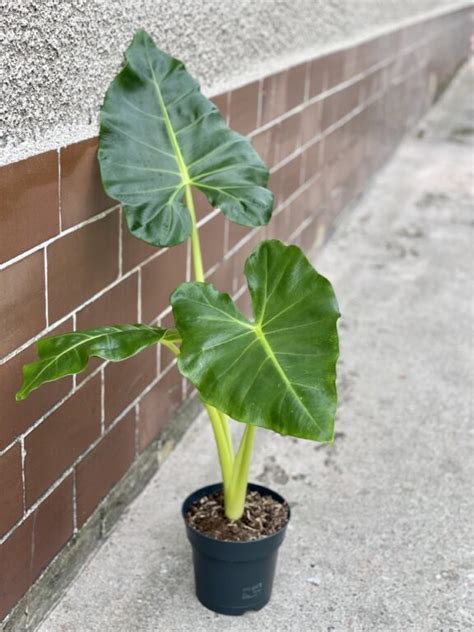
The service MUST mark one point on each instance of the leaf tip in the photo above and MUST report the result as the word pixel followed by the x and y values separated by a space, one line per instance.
pixel 20 395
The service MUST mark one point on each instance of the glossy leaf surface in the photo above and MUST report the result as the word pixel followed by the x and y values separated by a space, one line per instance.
pixel 69 353
pixel 279 371
pixel 160 135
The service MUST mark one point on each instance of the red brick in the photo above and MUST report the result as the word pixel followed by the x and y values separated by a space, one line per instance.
pixel 82 263
pixel 275 185
pixel 289 136
pixel 295 88
pixel 202 206
pixel 297 212
pixel 124 381
pixel 223 277
pixel 274 96
pixel 242 253
pixel 11 498
pixel 311 122
pixel 82 193
pixel 243 108
pixel 335 71
pixel 15 563
pixel 167 357
pixel 16 417
pixel 61 438
pixel 104 466
pixel 372 52
pixel 244 304
pixel 312 161
pixel 339 104
pixel 160 277
pixel 134 251
pixel 29 213
pixel 335 143
pixel 52 526
pixel 291 177
pixel 309 236
pixel 237 232
pixel 22 302
pixel 157 406
pixel 118 306
pixel 317 76
pixel 266 144
pixel 277 229
pixel 373 84
pixel 212 241
pixel 282 92
pixel 221 101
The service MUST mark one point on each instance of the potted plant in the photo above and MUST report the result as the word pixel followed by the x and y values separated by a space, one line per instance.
pixel 160 138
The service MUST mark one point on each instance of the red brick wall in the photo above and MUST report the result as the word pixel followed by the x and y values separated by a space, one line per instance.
pixel 67 260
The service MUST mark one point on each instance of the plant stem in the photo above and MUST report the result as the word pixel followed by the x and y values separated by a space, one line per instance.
pixel 171 346
pixel 235 498
pixel 226 457
pixel 225 424
pixel 219 421
pixel 195 243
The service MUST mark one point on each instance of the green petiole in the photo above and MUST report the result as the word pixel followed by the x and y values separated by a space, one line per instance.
pixel 235 469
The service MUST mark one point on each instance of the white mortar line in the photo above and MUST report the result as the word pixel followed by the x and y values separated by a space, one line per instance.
pixel 74 502
pixel 227 255
pixel 288 61
pixel 307 78
pixel 239 292
pixel 260 102
pixel 46 299
pixel 90 300
pixel 226 235
pixel 59 192
pixel 341 86
pixel 327 92
pixel 139 296
pixel 68 231
pixel 23 476
pixel 120 214
pixel 210 216
pixel 86 452
pixel 102 400
pixel 269 67
pixel 188 261
pixel 137 430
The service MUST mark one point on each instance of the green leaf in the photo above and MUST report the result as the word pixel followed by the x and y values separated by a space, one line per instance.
pixel 279 371
pixel 70 353
pixel 160 135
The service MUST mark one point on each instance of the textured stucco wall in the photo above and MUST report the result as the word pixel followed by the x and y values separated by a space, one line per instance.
pixel 57 56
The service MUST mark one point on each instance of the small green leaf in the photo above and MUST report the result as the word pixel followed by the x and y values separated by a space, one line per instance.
pixel 279 371
pixel 160 135
pixel 70 353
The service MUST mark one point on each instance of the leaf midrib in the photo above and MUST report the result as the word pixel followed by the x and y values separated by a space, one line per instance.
pixel 269 351
pixel 88 339
pixel 169 126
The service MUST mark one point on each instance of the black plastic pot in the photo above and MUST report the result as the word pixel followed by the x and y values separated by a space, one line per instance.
pixel 233 577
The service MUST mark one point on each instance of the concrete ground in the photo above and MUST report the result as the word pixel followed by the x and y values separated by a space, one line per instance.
pixel 381 530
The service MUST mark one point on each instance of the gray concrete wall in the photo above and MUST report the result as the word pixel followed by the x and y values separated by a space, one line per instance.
pixel 58 56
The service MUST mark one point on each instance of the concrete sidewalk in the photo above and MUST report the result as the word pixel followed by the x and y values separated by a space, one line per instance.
pixel 381 529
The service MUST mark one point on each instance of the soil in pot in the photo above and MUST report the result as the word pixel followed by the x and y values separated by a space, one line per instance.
pixel 234 562
pixel 263 516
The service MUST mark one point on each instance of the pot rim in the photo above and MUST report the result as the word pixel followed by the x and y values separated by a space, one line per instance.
pixel 208 489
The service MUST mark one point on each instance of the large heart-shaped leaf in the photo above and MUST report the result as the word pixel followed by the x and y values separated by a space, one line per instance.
pixel 69 353
pixel 159 136
pixel 278 371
